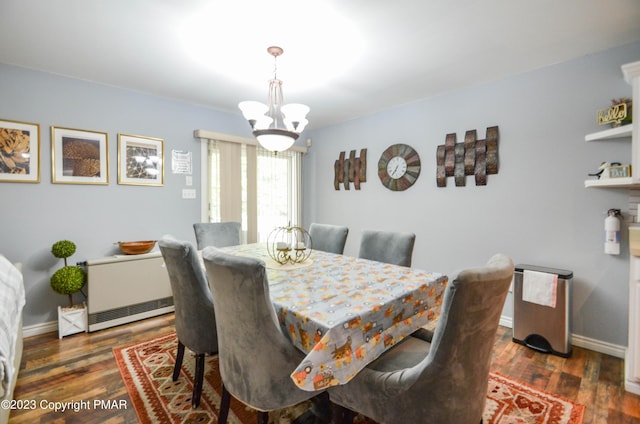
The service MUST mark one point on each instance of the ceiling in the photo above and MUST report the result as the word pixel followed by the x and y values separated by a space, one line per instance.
pixel 343 58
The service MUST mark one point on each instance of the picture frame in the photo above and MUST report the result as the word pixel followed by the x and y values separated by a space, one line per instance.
pixel 79 156
pixel 140 160
pixel 19 151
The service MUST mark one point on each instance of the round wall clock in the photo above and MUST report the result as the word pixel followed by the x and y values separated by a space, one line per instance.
pixel 399 167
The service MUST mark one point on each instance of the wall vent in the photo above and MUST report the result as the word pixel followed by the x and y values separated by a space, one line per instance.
pixel 130 310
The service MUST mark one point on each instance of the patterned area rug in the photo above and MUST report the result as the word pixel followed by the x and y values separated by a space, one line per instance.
pixel 147 368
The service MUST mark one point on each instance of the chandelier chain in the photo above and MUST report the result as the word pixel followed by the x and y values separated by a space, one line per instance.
pixel 275 67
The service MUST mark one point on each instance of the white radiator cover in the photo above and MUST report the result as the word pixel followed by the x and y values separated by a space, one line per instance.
pixel 127 288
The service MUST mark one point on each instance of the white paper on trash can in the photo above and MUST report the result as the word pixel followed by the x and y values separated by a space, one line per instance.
pixel 540 288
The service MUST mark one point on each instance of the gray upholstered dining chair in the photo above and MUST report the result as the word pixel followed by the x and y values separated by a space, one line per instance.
pixel 386 246
pixel 439 377
pixel 218 234
pixel 195 320
pixel 256 357
pixel 328 238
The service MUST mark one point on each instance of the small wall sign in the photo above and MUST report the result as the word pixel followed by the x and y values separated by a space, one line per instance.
pixel 613 115
pixel 620 171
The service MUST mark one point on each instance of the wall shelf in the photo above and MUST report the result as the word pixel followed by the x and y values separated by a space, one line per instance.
pixel 610 134
pixel 625 182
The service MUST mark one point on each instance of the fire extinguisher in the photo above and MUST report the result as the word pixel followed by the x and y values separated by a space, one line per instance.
pixel 612 232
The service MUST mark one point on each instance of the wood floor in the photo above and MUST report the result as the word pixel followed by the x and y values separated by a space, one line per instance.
pixel 81 367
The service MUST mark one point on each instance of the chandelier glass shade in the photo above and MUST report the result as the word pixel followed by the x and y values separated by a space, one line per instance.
pixel 275 125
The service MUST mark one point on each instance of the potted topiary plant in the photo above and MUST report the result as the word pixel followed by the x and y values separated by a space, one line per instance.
pixel 68 280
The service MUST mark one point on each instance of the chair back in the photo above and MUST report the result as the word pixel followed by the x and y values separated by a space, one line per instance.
pixel 256 357
pixel 328 238
pixel 217 234
pixel 457 366
pixel 195 320
pixel 389 247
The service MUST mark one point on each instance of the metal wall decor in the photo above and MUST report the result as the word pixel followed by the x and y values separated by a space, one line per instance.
pixel 350 170
pixel 473 157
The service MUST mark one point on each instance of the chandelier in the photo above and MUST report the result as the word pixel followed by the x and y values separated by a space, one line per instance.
pixel 267 121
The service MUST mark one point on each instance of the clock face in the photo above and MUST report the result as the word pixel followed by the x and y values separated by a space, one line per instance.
pixel 399 167
pixel 396 167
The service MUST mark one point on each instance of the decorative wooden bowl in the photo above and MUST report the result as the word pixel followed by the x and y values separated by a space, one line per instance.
pixel 136 247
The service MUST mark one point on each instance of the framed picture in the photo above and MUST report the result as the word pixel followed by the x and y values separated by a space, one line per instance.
pixel 79 156
pixel 140 160
pixel 19 152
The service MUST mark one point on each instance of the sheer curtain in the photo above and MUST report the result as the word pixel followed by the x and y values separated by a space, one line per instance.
pixel 259 188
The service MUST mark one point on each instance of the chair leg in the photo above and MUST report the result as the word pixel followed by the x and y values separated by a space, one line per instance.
pixel 341 415
pixel 178 365
pixel 321 407
pixel 197 386
pixel 225 401
pixel 263 417
pixel 347 418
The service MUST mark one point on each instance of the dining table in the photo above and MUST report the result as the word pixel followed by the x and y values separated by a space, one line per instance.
pixel 343 312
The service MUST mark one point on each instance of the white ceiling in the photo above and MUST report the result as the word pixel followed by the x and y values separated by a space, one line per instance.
pixel 343 58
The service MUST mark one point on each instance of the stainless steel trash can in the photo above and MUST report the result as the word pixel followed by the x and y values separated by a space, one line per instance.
pixel 540 326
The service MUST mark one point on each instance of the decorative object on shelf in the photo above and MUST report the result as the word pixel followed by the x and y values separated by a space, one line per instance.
pixel 19 152
pixel 620 171
pixel 473 157
pixel 351 170
pixel 140 160
pixel 136 247
pixel 289 245
pixel 618 114
pixel 603 170
pixel 79 156
pixel 68 280
pixel 261 116
pixel 399 167
pixel 612 170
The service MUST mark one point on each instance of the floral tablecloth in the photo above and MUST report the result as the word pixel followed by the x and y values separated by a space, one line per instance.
pixel 344 311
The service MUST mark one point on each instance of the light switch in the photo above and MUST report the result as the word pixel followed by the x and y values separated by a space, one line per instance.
pixel 188 193
pixel 188 181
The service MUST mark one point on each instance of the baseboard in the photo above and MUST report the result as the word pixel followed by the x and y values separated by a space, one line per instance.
pixel 632 387
pixel 506 321
pixel 37 329
pixel 598 346
pixel 583 342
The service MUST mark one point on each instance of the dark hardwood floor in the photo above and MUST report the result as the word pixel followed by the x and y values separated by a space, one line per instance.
pixel 81 367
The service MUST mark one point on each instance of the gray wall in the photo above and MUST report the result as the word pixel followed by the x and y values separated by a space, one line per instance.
pixel 34 216
pixel 536 209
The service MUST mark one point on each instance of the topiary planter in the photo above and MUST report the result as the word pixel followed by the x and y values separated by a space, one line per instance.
pixel 72 320
pixel 69 280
